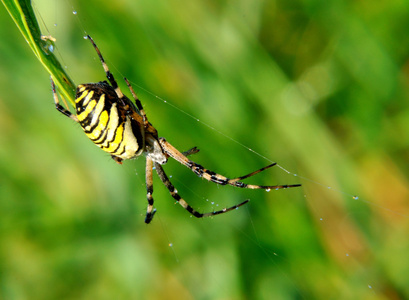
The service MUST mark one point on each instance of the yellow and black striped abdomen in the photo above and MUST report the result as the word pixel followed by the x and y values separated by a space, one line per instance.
pixel 101 115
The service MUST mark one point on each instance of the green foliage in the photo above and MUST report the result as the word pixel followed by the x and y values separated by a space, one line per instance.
pixel 321 87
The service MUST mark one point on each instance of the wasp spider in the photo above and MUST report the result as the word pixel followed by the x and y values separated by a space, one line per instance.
pixel 121 128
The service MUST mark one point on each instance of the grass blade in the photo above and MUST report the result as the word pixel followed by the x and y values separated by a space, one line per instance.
pixel 23 15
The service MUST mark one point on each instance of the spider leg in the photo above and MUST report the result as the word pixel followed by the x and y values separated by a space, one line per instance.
pixel 150 211
pixel 112 80
pixel 59 107
pixel 110 76
pixel 174 193
pixel 138 104
pixel 191 151
pixel 141 111
pixel 217 178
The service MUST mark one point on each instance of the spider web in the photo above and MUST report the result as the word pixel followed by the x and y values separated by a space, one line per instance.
pixel 325 214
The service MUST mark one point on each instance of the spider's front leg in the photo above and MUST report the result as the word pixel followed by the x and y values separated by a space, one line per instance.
pixel 150 211
pixel 215 177
pixel 174 193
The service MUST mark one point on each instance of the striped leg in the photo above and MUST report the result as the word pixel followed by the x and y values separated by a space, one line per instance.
pixel 150 211
pixel 217 178
pixel 106 69
pixel 118 91
pixel 174 193
pixel 59 107
pixel 138 104
pixel 191 151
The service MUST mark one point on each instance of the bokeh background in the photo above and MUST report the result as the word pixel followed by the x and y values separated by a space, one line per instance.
pixel 321 87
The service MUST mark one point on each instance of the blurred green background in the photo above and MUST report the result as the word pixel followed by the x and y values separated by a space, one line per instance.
pixel 321 87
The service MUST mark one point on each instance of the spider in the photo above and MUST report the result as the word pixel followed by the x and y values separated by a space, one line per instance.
pixel 121 128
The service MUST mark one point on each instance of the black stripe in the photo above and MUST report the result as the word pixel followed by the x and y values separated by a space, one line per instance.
pixel 136 132
pixel 122 140
pixel 88 119
pixel 176 196
pixel 97 123
pixel 103 131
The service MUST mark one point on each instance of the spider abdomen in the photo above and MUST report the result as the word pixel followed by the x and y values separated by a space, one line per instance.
pixel 103 120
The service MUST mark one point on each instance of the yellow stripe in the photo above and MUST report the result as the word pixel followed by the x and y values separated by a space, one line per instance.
pixel 115 143
pixel 78 99
pixel 129 140
pixel 82 116
pixel 88 98
pixel 120 149
pixel 98 110
pixel 103 121
pixel 112 125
